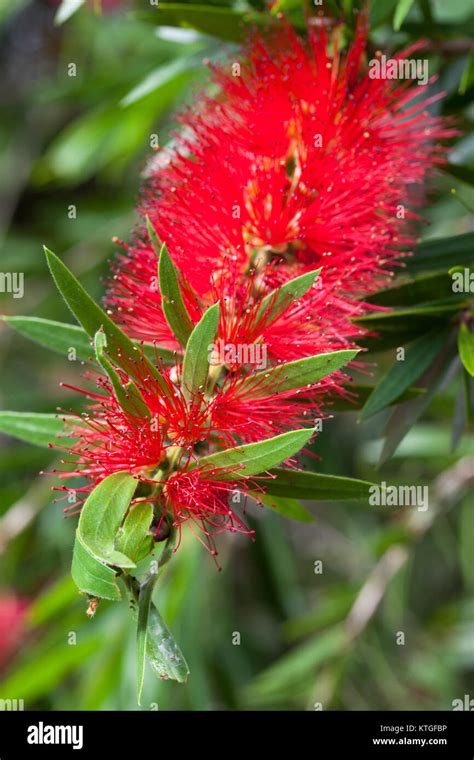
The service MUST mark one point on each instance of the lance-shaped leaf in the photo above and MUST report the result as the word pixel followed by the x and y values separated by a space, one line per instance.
pixel 102 515
pixel 132 538
pixel 361 396
pixel 63 338
pixel 415 320
pixel 287 507
pixel 164 655
pixel 128 395
pixel 405 325
pixel 467 80
pixel 442 253
pixel 225 23
pixel 466 348
pixel 297 374
pixel 404 373
pixel 92 576
pixel 173 74
pixel 430 287
pixel 66 9
pixel 196 356
pixel 122 350
pixel 39 429
pixel 174 308
pixel 243 461
pixel 298 484
pixel 144 604
pixel 460 171
pixel 279 300
pixel 401 11
pixel 402 419
pixel 57 336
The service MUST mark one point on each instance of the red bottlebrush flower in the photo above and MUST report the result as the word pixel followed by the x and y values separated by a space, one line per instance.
pixel 12 626
pixel 253 414
pixel 160 438
pixel 109 439
pixel 199 499
pixel 307 326
pixel 304 161
pixel 317 323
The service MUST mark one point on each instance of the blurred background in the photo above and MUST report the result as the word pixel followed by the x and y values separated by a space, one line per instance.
pixel 85 93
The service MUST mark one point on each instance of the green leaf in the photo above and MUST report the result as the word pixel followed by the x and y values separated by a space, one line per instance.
pixel 362 393
pixel 101 140
pixel 121 349
pixel 416 320
pixel 196 357
pixel 67 9
pixel 403 326
pixel 401 11
pixel 164 655
pixel 381 12
pixel 278 301
pixel 144 604
pixel 313 486
pixel 102 515
pixel 466 348
pixel 174 309
pixel 404 373
pixel 57 336
pixel 39 429
pixel 467 79
pixel 403 418
pixel 417 291
pixel 154 352
pixel 180 68
pixel 242 461
pixel 297 374
pixel 134 531
pixel 442 253
pixel 128 396
pixel 224 23
pixel 287 507
pixel 61 337
pixel 460 172
pixel 92 576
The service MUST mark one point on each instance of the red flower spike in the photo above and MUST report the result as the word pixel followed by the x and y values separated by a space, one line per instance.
pixel 198 499
pixel 109 440
pixel 335 182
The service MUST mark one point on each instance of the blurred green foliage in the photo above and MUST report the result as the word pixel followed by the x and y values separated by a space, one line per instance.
pixel 270 630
